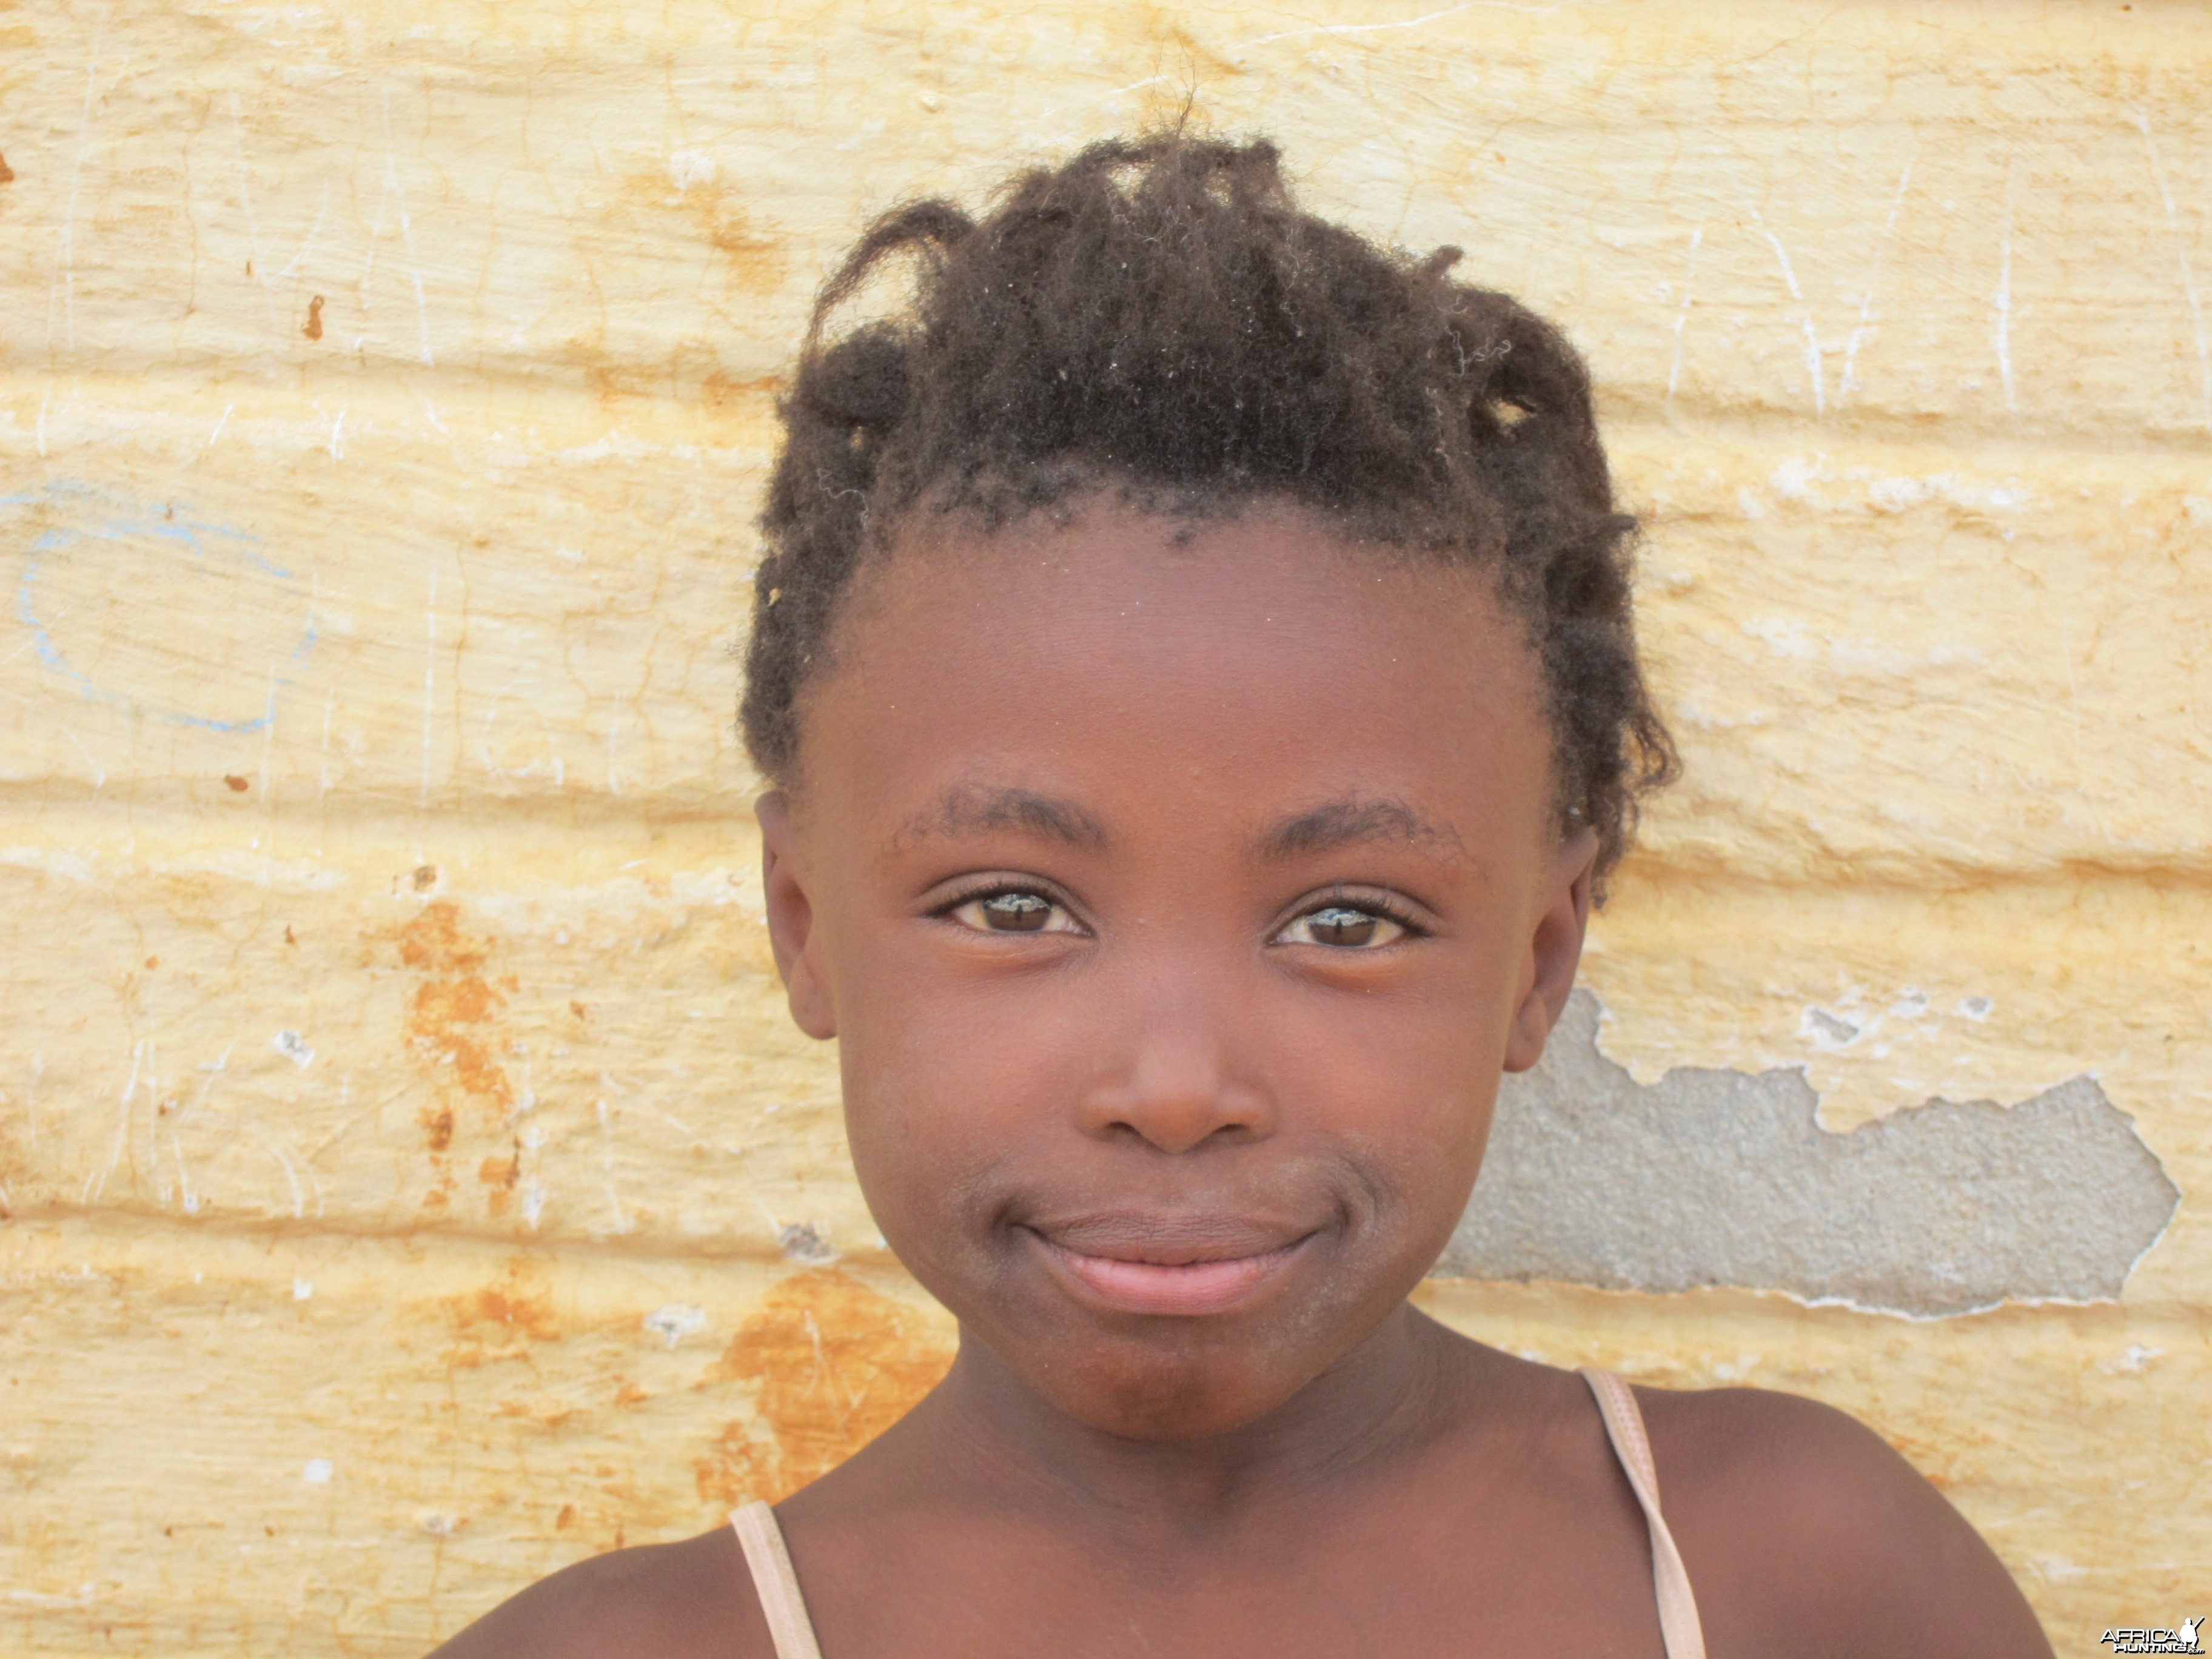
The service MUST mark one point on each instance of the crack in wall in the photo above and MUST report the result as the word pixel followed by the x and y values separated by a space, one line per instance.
pixel 1720 1177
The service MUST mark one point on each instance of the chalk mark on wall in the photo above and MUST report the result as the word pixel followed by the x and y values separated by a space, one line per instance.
pixel 214 581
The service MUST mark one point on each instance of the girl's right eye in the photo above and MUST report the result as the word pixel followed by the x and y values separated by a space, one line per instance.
pixel 1017 911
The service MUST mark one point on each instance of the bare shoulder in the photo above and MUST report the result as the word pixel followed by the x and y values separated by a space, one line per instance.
pixel 688 1601
pixel 1804 1532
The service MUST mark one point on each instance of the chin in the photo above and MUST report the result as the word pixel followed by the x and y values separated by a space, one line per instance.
pixel 1175 1381
pixel 1195 1397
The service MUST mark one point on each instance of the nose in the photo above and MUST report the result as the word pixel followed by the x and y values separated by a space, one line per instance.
pixel 1178 1087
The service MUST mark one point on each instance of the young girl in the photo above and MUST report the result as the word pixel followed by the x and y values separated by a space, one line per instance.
pixel 1196 664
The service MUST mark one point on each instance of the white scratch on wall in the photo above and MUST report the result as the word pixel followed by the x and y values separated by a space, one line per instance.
pixel 2001 301
pixel 96 1184
pixel 186 1196
pixel 31 1098
pixel 392 187
pixel 1850 382
pixel 313 230
pixel 98 772
pixel 268 732
pixel 208 1071
pixel 1397 23
pixel 1682 311
pixel 284 1161
pixel 430 678
pixel 621 1222
pixel 61 291
pixel 1815 374
pixel 2188 276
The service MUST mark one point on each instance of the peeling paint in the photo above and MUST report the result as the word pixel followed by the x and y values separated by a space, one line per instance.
pixel 677 1320
pixel 802 1241
pixel 1720 1177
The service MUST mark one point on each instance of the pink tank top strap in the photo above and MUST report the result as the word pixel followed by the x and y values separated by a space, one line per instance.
pixel 781 1602
pixel 1624 1426
pixel 784 1605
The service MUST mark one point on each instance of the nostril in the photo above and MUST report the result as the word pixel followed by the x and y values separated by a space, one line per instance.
pixel 1169 1141
pixel 1177 1121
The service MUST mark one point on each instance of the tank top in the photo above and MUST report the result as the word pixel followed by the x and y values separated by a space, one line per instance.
pixel 785 1605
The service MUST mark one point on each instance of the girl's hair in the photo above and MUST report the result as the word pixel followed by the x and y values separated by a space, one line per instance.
pixel 1160 318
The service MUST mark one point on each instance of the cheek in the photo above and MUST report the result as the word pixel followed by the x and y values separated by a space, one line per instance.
pixel 945 1094
pixel 1407 1094
pixel 1403 1087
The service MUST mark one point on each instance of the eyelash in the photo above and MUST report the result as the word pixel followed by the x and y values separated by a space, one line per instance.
pixel 990 890
pixel 1380 905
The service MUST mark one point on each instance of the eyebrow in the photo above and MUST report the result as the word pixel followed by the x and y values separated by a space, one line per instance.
pixel 1348 823
pixel 971 809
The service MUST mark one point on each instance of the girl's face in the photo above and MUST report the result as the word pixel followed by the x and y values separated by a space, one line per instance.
pixel 1178 898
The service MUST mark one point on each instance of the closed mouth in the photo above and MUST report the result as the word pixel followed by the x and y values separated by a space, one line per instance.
pixel 1167 1276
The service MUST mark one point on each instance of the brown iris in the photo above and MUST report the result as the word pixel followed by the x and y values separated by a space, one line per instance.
pixel 1016 913
pixel 1341 925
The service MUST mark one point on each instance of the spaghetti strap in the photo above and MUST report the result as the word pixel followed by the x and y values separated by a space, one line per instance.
pixel 784 1605
pixel 1624 1425
pixel 781 1602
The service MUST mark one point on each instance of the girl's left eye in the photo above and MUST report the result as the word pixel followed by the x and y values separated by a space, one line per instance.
pixel 1343 927
pixel 1017 912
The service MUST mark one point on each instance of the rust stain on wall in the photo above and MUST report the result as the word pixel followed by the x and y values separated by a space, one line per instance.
pixel 748 392
pixel 501 1320
pixel 451 1018
pixel 836 1364
pixel 451 1024
pixel 499 1174
pixel 753 261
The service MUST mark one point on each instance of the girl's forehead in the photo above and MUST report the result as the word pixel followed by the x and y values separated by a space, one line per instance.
pixel 1264 654
pixel 1262 567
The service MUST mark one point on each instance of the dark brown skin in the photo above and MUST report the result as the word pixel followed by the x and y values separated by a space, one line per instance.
pixel 1178 895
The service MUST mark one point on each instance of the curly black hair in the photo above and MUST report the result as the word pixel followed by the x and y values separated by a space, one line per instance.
pixel 1158 317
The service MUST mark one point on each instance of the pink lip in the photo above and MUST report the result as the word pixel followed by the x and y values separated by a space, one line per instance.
pixel 1184 1288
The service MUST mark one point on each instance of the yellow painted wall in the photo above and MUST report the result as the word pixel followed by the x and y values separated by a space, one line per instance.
pixel 412 1181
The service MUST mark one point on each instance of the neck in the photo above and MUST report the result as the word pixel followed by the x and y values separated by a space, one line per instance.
pixel 1387 1399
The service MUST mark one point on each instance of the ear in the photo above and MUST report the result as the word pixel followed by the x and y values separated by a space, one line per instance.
pixel 791 920
pixel 1555 948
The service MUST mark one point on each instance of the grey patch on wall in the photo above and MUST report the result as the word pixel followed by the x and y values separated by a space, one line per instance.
pixel 1715 1177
